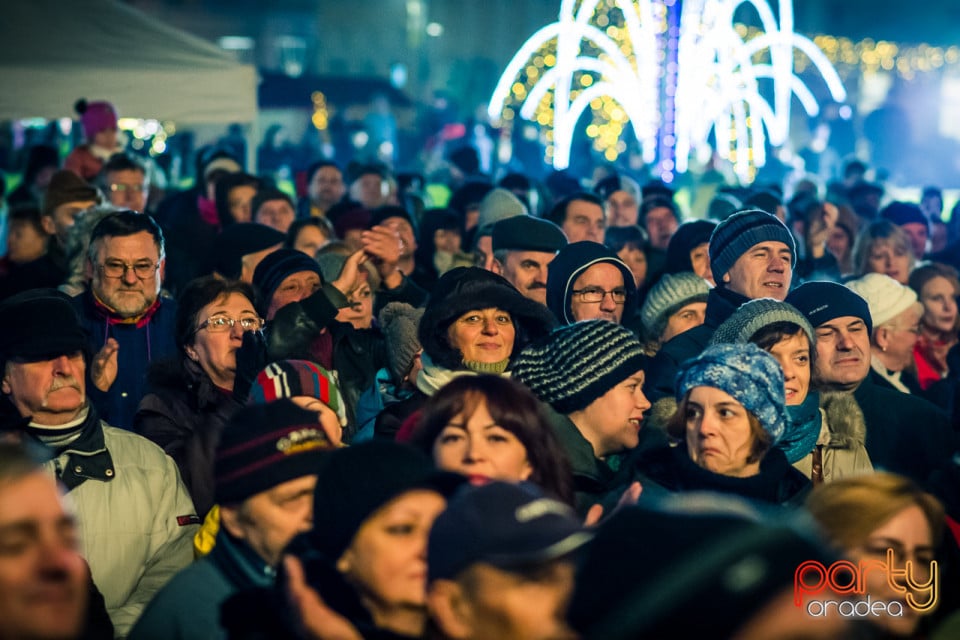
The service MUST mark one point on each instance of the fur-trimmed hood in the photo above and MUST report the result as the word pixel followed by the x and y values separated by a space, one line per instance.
pixel 848 428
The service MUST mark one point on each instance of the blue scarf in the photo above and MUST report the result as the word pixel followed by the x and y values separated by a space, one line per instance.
pixel 803 428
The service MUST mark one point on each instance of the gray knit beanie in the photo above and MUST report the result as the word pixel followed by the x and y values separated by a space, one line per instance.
pixel 673 291
pixel 398 322
pixel 747 373
pixel 498 205
pixel 754 315
pixel 578 363
pixel 734 236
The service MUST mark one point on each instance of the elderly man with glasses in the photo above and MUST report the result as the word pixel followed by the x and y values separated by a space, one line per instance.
pixel 129 323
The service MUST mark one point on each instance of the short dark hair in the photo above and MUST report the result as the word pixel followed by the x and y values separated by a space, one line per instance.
pixel 195 296
pixel 658 202
pixel 121 162
pixel 222 191
pixel 617 238
pixel 558 214
pixel 320 164
pixel 513 407
pixel 121 224
pixel 269 194
pixel 320 223
pixel 29 214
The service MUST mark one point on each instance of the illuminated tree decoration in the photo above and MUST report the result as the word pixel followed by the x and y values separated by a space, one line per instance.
pixel 608 55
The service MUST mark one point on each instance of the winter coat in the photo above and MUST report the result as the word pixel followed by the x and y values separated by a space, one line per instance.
pixel 140 344
pixel 136 519
pixel 185 414
pixel 83 162
pixel 842 440
pixel 662 373
pixel 188 607
pixel 671 468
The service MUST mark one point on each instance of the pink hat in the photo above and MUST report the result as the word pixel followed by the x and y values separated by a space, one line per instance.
pixel 95 117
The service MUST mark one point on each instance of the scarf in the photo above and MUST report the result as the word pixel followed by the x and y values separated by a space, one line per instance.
pixel 433 377
pixel 208 212
pixel 110 316
pixel 803 428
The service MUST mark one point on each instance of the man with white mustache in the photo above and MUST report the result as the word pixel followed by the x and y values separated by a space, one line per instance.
pixel 136 519
pixel 905 434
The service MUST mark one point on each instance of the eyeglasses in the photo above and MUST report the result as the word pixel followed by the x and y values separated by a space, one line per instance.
pixel 593 295
pixel 220 323
pixel 119 187
pixel 118 269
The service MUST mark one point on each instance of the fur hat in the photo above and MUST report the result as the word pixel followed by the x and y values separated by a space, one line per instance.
pixel 465 289
pixel 578 363
pixel 399 321
pixel 734 236
pixel 672 292
pixel 746 372
pixel 754 315
pixel 885 297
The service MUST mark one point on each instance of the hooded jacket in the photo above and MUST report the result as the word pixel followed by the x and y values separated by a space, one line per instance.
pixel 570 263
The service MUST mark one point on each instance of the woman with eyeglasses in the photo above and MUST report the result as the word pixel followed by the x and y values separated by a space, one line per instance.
pixel 192 394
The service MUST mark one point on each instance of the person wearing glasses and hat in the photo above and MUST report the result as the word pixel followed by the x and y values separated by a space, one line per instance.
pixel 129 323
pixel 587 281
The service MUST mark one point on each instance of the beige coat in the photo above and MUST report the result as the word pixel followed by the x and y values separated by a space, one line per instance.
pixel 843 434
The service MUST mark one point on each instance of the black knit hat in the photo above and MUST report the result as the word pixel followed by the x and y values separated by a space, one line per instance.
pixel 689 236
pixel 39 324
pixel 471 288
pixel 821 301
pixel 265 445
pixel 578 363
pixel 526 233
pixel 901 213
pixel 378 215
pixel 275 267
pixel 721 566
pixel 573 260
pixel 734 236
pixel 354 482
pixel 238 240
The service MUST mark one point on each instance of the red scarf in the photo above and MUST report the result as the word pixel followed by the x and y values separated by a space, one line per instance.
pixel 111 317
pixel 208 211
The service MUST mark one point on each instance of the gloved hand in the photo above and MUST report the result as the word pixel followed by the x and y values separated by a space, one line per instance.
pixel 251 359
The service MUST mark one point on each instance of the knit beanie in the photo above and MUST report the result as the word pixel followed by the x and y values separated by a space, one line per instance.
pixel 265 445
pixel 606 187
pixel 354 482
pixel 380 214
pixel 290 378
pixel 578 363
pixel 754 315
pixel 734 236
pixel 901 213
pixel 820 301
pixel 746 372
pixel 66 186
pixel 672 292
pixel 238 240
pixel 498 205
pixel 526 233
pixel 689 236
pixel 573 260
pixel 886 297
pixel 95 117
pixel 399 321
pixel 275 267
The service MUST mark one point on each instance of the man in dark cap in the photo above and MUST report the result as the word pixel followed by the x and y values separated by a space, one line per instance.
pixel 752 255
pixel 501 562
pixel 905 433
pixel 265 477
pixel 136 518
pixel 523 247
pixel 241 247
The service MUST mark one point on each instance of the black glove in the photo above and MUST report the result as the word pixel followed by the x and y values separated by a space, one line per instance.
pixel 251 359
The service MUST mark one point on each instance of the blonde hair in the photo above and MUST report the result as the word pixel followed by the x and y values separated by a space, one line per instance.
pixel 877 232
pixel 850 509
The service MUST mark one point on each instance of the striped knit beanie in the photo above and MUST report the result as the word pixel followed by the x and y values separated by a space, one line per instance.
pixel 578 363
pixel 289 378
pixel 757 314
pixel 672 291
pixel 746 372
pixel 734 236
pixel 266 445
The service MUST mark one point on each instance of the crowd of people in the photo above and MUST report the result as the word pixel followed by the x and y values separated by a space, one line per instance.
pixel 569 410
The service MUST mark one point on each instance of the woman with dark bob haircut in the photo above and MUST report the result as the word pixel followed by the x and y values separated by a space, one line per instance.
pixel 489 427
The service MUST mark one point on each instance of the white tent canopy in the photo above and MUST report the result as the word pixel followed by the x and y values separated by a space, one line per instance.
pixel 53 53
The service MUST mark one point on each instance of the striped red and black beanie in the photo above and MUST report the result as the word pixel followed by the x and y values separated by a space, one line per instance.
pixel 290 378
pixel 265 445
